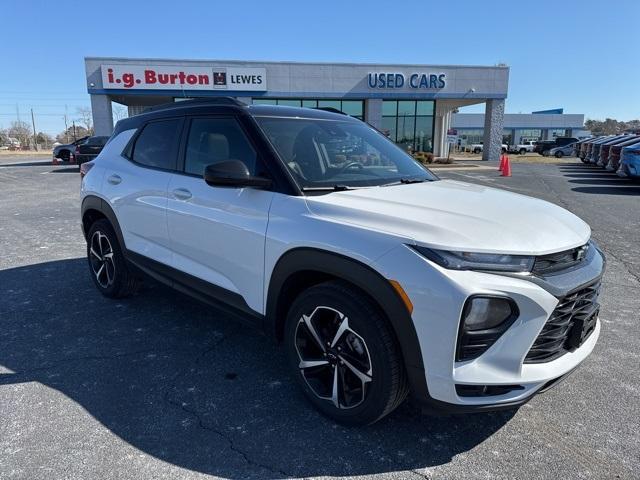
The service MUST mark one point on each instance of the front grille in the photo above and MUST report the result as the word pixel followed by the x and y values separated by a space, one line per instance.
pixel 555 262
pixel 570 324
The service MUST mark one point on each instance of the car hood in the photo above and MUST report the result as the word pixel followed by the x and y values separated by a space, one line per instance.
pixel 454 215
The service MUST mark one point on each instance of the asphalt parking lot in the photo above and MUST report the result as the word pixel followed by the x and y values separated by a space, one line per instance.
pixel 160 386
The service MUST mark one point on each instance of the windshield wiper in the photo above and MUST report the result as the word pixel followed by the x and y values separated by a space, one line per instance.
pixel 406 181
pixel 333 188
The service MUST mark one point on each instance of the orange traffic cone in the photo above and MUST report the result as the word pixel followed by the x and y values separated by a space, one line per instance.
pixel 501 166
pixel 506 170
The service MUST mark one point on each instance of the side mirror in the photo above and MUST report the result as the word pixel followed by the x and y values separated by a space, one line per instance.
pixel 233 173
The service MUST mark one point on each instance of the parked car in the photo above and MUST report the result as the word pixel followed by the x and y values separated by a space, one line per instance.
pixel 592 144
pixel 89 149
pixel 630 162
pixel 65 152
pixel 477 147
pixel 594 155
pixel 579 147
pixel 523 147
pixel 566 150
pixel 603 158
pixel 616 150
pixel 543 147
pixel 269 211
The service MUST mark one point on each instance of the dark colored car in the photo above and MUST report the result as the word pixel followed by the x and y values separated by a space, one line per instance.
pixel 88 150
pixel 616 151
pixel 603 159
pixel 597 146
pixel 66 152
pixel 588 147
pixel 545 146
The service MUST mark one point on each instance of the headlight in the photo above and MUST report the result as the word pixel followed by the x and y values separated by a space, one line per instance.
pixel 478 261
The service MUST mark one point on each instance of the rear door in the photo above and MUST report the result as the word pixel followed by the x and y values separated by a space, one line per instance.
pixel 136 185
pixel 218 233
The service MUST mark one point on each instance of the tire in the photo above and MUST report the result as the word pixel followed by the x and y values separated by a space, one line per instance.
pixel 476 150
pixel 559 154
pixel 350 326
pixel 64 155
pixel 523 151
pixel 114 280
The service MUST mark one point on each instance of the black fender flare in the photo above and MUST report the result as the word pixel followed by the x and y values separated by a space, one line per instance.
pixel 366 279
pixel 91 202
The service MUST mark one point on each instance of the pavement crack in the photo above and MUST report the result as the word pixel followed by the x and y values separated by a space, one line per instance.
pixel 201 423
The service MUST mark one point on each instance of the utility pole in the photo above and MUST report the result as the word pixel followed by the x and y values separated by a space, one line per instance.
pixel 66 129
pixel 35 135
pixel 74 131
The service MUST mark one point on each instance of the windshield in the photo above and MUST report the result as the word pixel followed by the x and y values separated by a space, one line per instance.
pixel 326 154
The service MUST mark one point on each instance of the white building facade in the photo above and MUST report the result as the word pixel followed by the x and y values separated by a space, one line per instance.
pixel 412 104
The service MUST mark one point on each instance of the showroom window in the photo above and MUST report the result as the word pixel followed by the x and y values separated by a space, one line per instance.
pixel 354 108
pixel 471 136
pixel 557 132
pixel 409 123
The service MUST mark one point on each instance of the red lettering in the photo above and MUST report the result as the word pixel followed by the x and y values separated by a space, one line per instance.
pixel 110 75
pixel 203 79
pixel 173 77
pixel 128 80
pixel 192 79
pixel 181 77
pixel 149 76
pixel 163 78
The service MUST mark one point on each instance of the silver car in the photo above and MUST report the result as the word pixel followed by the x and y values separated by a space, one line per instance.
pixel 565 150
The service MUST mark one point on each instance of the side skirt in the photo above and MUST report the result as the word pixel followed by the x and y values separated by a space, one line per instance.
pixel 218 297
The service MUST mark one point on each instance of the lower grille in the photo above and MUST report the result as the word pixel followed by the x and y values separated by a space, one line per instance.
pixel 570 324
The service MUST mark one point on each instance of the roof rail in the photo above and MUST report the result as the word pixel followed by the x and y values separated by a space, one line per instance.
pixel 330 109
pixel 196 101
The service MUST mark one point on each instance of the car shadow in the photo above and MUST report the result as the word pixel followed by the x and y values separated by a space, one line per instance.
pixel 186 384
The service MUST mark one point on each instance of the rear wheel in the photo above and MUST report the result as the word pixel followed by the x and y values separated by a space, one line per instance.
pixel 108 267
pixel 64 155
pixel 344 355
pixel 523 151
pixel 559 154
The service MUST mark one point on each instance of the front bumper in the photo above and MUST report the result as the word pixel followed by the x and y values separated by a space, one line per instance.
pixel 438 296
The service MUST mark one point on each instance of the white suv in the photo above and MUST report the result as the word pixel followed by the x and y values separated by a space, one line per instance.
pixel 378 278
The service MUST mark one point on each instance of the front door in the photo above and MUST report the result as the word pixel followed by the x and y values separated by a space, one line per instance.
pixel 218 233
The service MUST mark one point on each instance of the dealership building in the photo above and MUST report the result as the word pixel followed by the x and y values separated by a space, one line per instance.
pixel 413 104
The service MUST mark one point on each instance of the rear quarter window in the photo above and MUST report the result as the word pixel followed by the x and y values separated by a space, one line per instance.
pixel 157 144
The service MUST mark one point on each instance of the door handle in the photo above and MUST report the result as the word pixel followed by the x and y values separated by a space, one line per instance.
pixel 182 194
pixel 114 179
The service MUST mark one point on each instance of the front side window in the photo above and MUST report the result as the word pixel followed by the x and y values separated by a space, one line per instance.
pixel 215 140
pixel 329 153
pixel 157 145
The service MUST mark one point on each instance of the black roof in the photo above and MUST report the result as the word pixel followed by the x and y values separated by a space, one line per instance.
pixel 227 105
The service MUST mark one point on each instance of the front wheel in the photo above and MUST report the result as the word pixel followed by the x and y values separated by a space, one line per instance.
pixel 559 154
pixel 344 355
pixel 523 151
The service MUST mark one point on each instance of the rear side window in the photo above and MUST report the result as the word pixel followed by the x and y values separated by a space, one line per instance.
pixel 157 145
pixel 214 140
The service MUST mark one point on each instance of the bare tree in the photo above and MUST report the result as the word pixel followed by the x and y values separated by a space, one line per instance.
pixel 85 118
pixel 120 112
pixel 21 131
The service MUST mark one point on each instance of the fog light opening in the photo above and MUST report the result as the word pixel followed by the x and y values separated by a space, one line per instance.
pixel 484 319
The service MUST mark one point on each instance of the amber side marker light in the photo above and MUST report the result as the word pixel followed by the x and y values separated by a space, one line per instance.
pixel 403 295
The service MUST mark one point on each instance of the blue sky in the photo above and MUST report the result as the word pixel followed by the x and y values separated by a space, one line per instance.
pixel 580 55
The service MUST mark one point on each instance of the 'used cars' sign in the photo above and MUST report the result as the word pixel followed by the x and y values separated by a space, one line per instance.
pixel 177 77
